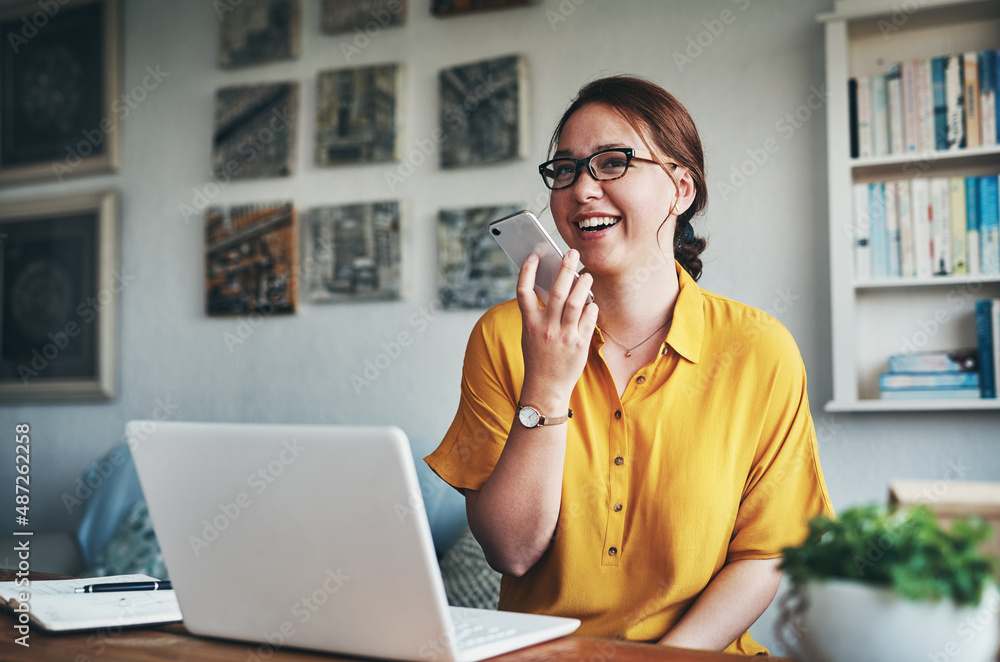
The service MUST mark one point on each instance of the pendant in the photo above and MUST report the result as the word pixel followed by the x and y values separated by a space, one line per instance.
pixel 628 354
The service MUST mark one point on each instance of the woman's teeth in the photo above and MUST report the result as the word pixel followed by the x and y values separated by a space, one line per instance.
pixel 598 223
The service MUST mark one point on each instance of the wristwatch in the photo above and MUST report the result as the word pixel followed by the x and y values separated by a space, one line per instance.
pixel 531 418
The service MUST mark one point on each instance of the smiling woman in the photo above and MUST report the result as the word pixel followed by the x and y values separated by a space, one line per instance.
pixel 646 113
pixel 658 509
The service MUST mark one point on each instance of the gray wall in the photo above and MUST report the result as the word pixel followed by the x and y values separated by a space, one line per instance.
pixel 768 238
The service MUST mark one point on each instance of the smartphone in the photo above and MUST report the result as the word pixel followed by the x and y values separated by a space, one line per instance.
pixel 521 234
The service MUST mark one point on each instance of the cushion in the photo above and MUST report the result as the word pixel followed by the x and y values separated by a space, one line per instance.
pixel 133 549
pixel 469 581
pixel 444 504
pixel 107 491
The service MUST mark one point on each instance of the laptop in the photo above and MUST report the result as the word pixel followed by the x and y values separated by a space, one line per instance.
pixel 310 536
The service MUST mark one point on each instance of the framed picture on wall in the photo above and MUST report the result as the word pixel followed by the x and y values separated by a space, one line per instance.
pixel 473 271
pixel 357 115
pixel 60 105
pixel 484 112
pixel 251 260
pixel 352 253
pixel 257 31
pixel 368 16
pixel 60 283
pixel 255 131
pixel 452 7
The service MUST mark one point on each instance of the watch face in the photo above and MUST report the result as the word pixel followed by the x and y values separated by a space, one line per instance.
pixel 529 417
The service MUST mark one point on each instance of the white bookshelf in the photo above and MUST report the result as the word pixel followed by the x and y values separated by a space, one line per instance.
pixel 872 320
pixel 934 281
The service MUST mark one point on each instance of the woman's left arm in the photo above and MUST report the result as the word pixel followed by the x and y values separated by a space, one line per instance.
pixel 730 604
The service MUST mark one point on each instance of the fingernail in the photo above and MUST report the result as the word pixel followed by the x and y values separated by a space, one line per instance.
pixel 532 258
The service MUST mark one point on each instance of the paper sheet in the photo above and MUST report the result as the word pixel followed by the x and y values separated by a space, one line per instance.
pixel 55 605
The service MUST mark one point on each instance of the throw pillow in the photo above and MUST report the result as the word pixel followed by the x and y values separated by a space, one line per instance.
pixel 133 549
pixel 469 581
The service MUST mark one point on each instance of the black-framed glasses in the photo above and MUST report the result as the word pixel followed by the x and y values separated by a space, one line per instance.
pixel 603 166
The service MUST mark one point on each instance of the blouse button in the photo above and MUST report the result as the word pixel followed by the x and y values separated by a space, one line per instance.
pixel 641 379
pixel 618 414
pixel 612 551
pixel 619 460
pixel 618 507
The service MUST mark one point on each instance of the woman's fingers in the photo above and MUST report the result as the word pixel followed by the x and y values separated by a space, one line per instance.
pixel 552 340
pixel 578 298
pixel 569 303
pixel 564 282
pixel 588 320
pixel 526 299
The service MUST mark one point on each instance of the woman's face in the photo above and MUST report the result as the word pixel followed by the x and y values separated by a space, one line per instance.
pixel 614 224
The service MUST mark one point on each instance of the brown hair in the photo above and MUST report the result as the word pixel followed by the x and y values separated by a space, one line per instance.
pixel 654 112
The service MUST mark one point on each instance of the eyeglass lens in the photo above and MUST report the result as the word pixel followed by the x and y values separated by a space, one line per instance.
pixel 561 173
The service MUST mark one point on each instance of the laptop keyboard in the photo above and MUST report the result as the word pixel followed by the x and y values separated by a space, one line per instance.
pixel 469 636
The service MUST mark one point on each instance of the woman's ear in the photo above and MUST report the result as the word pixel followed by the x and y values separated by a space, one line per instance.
pixel 686 190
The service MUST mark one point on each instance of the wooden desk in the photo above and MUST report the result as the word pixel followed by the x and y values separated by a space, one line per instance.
pixel 172 642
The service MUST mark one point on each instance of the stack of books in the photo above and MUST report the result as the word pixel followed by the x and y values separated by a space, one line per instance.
pixel 923 375
pixel 961 373
pixel 926 226
pixel 935 104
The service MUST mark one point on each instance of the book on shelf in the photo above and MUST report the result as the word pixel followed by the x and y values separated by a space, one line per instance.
pixel 958 224
pixel 931 394
pixel 861 234
pixel 892 244
pixel 972 224
pixel 911 127
pixel 925 106
pixel 907 269
pixel 954 88
pixel 880 116
pixel 959 360
pixel 894 96
pixel 988 340
pixel 56 606
pixel 988 95
pixel 879 237
pixel 939 103
pixel 925 227
pixel 995 341
pixel 852 114
pixel 970 80
pixel 931 384
pixel 908 381
pixel 920 204
pixel 941 227
pixel 989 226
pixel 864 117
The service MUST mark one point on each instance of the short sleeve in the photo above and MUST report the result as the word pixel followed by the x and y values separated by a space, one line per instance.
pixel 785 486
pixel 492 374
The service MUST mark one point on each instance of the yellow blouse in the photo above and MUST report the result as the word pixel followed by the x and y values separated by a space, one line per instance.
pixel 709 457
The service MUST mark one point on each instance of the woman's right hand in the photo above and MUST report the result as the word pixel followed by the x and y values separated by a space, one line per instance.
pixel 555 340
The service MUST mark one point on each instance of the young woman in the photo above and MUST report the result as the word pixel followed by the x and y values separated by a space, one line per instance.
pixel 639 461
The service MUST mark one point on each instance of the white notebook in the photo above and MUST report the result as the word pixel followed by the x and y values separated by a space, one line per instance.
pixel 55 605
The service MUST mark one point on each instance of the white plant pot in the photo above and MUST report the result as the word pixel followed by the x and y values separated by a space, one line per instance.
pixel 849 621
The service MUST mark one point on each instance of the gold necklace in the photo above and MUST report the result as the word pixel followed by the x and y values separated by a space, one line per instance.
pixel 628 350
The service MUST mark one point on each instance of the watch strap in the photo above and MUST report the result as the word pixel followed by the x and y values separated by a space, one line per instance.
pixel 546 420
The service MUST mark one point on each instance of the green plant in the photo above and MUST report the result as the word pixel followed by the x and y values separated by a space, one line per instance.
pixel 907 550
